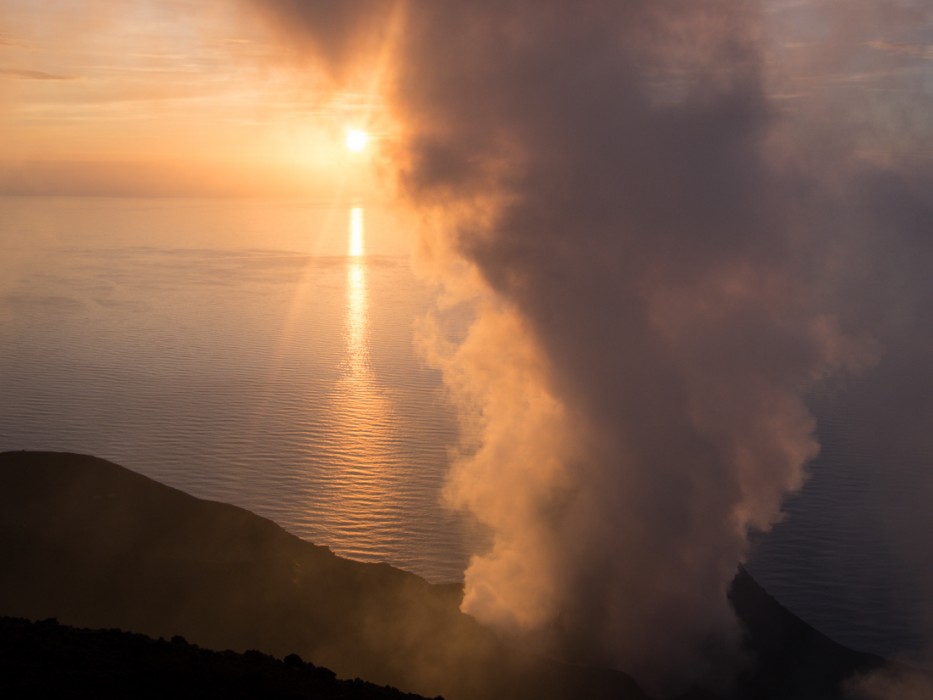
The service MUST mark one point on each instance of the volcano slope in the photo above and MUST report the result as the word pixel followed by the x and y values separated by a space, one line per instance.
pixel 96 545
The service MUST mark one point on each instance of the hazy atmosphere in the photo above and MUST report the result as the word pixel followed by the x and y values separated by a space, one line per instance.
pixel 633 273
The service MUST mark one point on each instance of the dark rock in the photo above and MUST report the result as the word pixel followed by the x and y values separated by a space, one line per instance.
pixel 99 546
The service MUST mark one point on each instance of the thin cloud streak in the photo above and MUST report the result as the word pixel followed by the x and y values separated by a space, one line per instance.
pixel 34 75
pixel 914 50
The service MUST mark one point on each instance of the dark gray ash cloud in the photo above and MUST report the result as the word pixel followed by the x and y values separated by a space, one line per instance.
pixel 669 243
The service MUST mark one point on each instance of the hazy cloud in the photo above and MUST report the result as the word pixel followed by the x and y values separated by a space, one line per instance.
pixel 893 683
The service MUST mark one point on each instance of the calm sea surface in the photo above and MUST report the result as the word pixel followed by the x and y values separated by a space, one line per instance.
pixel 254 353
pixel 261 353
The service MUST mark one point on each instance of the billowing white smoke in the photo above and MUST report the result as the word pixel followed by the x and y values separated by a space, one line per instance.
pixel 657 287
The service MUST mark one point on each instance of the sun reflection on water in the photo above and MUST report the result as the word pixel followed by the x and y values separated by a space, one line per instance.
pixel 357 242
pixel 361 486
pixel 357 300
pixel 357 319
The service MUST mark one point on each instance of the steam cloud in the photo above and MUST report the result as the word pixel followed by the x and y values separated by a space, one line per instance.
pixel 669 242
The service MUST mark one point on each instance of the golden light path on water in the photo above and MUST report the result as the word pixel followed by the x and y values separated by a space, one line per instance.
pixel 362 481
pixel 357 301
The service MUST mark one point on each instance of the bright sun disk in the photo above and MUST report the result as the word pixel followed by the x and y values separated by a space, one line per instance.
pixel 357 140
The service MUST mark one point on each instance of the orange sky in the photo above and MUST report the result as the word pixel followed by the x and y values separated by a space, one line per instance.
pixel 202 97
pixel 168 97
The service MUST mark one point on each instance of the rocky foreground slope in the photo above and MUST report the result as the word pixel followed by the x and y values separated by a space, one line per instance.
pixel 44 660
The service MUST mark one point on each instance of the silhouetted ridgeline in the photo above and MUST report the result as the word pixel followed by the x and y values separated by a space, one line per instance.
pixel 48 660
pixel 96 545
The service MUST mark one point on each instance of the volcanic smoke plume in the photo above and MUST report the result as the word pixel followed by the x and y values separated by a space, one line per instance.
pixel 662 266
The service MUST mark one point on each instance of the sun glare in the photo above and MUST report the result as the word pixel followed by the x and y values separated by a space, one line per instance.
pixel 357 140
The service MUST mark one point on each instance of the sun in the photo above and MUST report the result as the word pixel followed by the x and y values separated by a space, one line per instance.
pixel 356 140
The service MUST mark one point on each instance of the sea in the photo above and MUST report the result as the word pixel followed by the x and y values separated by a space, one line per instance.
pixel 263 353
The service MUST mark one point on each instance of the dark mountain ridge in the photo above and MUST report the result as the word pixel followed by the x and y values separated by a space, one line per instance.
pixel 96 545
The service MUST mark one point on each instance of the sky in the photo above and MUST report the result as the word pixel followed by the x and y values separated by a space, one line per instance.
pixel 169 97
pixel 675 221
